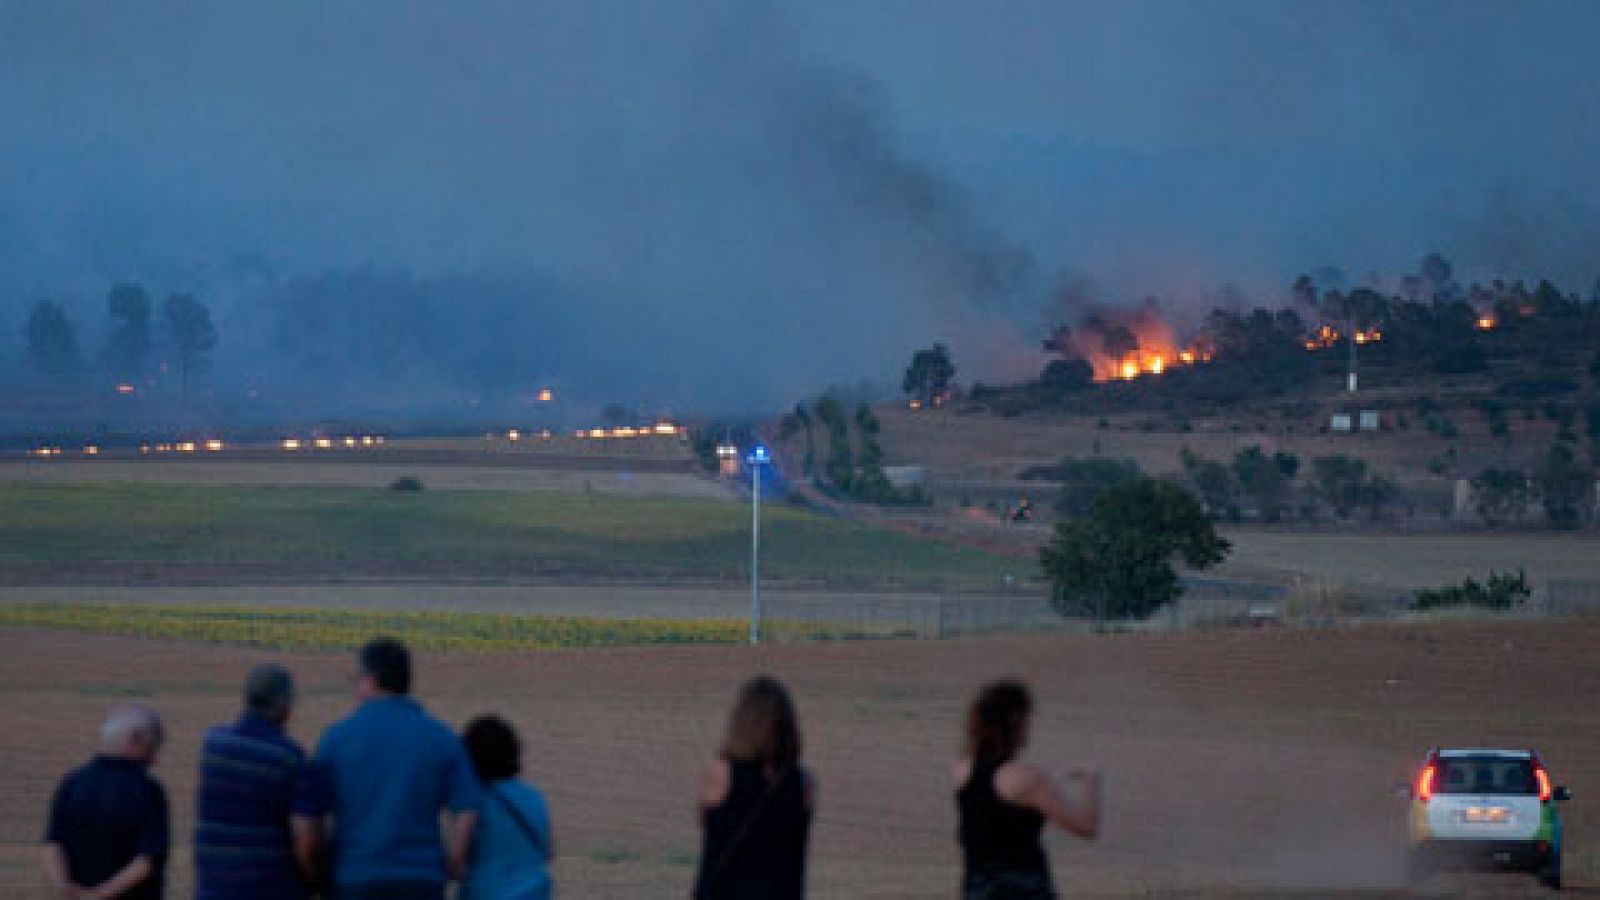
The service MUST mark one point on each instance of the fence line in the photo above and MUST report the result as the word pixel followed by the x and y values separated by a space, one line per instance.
pixel 1571 597
pixel 1205 603
pixel 803 617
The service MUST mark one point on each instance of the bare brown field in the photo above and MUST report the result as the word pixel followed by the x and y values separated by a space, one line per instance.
pixel 489 473
pixel 1238 764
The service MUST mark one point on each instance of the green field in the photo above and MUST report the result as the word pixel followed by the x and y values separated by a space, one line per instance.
pixel 581 534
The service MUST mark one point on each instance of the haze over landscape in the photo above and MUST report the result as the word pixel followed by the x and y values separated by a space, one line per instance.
pixel 1225 374
pixel 727 205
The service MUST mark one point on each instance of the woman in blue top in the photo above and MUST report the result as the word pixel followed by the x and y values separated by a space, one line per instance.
pixel 511 849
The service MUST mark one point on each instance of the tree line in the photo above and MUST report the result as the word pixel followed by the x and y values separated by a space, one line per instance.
pixel 852 460
pixel 1269 487
pixel 1429 323
pixel 144 348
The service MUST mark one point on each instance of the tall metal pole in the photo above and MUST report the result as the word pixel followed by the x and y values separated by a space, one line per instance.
pixel 755 549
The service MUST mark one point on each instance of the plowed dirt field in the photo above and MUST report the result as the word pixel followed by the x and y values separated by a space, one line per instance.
pixel 1237 763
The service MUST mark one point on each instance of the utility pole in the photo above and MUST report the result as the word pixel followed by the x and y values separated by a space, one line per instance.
pixel 1350 337
pixel 758 458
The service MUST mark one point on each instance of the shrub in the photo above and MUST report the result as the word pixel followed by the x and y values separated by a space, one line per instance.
pixel 1501 591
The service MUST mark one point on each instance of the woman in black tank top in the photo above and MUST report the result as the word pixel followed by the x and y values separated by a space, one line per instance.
pixel 1003 803
pixel 756 803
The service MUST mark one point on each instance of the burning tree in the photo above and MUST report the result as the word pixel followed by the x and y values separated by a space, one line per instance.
pixel 1122 343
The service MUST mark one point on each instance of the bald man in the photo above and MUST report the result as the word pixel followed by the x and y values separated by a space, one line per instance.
pixel 107 835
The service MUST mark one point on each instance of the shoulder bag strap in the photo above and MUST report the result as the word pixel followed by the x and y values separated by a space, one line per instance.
pixel 523 825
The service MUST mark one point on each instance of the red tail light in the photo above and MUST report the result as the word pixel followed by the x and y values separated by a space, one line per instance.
pixel 1544 784
pixel 1425 784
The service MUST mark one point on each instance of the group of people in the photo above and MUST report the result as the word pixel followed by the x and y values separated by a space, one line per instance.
pixel 395 805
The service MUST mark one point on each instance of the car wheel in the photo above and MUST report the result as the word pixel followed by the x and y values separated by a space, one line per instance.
pixel 1550 875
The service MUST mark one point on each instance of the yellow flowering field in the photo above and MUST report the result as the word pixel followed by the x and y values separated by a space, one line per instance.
pixel 340 629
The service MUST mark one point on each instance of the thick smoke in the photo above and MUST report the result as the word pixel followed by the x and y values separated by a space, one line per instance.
pixel 667 206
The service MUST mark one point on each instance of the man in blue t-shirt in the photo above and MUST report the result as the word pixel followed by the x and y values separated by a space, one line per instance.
pixel 386 773
pixel 254 832
pixel 107 835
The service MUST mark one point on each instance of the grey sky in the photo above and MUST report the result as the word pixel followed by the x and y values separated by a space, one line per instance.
pixel 731 203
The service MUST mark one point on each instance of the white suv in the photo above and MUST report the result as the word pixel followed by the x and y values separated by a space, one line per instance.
pixel 1486 809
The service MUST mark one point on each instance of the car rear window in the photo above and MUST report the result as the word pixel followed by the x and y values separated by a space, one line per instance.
pixel 1485 775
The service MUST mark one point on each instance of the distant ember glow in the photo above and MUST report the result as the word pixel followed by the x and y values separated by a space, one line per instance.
pixel 1326 336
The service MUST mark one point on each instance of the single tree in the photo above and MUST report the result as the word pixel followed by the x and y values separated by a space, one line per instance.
pixel 870 456
pixel 793 423
pixel 1564 487
pixel 1436 272
pixel 1263 480
pixel 193 336
pixel 1117 563
pixel 840 466
pixel 1345 483
pixel 927 379
pixel 1501 495
pixel 1287 463
pixel 1304 291
pixel 52 343
pixel 127 352
pixel 866 421
pixel 1213 483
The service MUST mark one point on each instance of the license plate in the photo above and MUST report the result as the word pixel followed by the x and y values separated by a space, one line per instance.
pixel 1486 815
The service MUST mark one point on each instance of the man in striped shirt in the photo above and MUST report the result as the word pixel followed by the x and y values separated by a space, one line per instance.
pixel 254 838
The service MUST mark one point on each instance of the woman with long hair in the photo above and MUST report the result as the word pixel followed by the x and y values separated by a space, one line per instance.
pixel 756 802
pixel 1004 802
